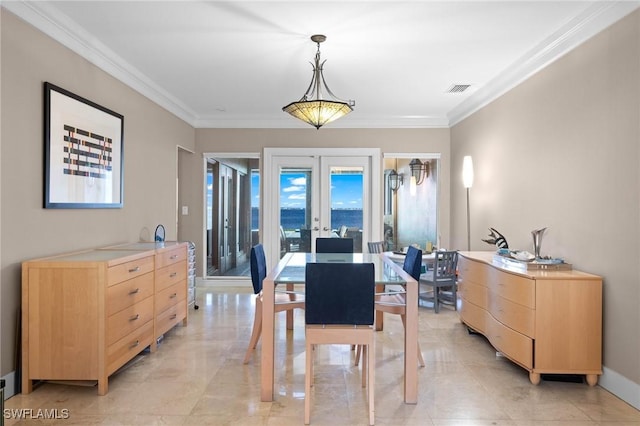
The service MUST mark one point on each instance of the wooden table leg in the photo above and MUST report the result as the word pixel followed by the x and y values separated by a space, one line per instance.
pixel 290 311
pixel 411 344
pixel 267 356
pixel 379 314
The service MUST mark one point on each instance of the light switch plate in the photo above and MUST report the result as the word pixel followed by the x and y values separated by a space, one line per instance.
pixel 185 210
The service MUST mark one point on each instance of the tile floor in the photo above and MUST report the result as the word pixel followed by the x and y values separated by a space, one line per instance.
pixel 197 378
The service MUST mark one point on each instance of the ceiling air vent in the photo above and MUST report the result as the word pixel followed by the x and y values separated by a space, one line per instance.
pixel 458 88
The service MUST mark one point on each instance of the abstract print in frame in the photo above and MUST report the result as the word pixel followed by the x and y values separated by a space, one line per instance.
pixel 83 152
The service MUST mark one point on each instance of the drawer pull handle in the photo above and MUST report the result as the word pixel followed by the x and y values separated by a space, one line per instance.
pixel 135 317
pixel 136 269
pixel 173 295
pixel 173 316
pixel 173 257
pixel 173 274
pixel 135 291
pixel 134 344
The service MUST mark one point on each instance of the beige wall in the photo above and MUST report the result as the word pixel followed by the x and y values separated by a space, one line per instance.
pixel 388 140
pixel 151 135
pixel 562 150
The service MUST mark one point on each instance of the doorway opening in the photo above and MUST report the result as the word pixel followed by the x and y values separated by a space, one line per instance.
pixel 232 214
pixel 411 202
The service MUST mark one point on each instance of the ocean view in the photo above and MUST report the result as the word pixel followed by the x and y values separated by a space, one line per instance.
pixel 294 218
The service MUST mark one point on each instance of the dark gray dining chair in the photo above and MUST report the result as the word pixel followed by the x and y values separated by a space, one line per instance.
pixel 334 245
pixel 442 279
pixel 375 246
pixel 340 310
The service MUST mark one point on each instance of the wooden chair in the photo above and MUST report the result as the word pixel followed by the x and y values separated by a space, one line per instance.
pixel 340 310
pixel 394 301
pixel 441 278
pixel 334 245
pixel 284 300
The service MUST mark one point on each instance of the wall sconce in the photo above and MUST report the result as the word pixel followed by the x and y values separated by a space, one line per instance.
pixel 395 180
pixel 419 170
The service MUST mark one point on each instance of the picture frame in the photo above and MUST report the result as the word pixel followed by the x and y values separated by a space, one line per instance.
pixel 83 146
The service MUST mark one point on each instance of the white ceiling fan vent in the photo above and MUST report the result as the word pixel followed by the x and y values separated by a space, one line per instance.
pixel 458 88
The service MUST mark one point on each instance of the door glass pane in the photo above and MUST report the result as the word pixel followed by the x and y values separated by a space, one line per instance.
pixel 346 203
pixel 255 206
pixel 295 210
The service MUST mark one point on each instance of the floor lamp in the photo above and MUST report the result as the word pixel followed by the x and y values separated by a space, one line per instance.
pixel 467 181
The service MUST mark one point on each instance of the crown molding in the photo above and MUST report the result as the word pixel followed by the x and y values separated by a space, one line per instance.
pixel 48 20
pixel 594 19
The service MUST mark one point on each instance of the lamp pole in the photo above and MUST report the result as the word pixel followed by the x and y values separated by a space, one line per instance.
pixel 467 181
pixel 468 223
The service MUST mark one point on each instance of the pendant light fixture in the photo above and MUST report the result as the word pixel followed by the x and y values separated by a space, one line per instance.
pixel 319 106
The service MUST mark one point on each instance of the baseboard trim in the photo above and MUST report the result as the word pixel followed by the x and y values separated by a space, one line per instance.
pixel 620 386
pixel 9 385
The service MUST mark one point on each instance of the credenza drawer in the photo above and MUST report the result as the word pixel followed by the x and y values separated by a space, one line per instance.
pixel 124 322
pixel 129 292
pixel 125 271
pixel 129 346
pixel 170 296
pixel 516 346
pixel 474 293
pixel 171 256
pixel 518 317
pixel 169 318
pixel 170 275
pixel 518 289
pixel 472 272
pixel 473 315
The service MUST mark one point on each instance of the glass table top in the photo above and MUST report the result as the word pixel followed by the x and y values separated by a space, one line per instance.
pixel 294 270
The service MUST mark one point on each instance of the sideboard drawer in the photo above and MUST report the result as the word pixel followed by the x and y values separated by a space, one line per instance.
pixel 125 271
pixel 473 315
pixel 518 289
pixel 129 346
pixel 473 293
pixel 472 272
pixel 516 346
pixel 128 319
pixel 171 256
pixel 520 318
pixel 129 292
pixel 170 275
pixel 170 296
pixel 169 318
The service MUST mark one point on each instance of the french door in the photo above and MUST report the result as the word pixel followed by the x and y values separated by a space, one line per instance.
pixel 311 193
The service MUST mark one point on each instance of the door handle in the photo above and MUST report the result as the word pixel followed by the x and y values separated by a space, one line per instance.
pixel 315 228
pixel 326 229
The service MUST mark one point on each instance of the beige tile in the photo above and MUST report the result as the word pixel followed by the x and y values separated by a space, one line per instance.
pixel 196 377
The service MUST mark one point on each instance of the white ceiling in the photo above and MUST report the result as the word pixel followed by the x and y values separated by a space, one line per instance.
pixel 237 63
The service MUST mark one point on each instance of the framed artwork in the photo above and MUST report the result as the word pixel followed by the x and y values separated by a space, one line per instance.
pixel 83 144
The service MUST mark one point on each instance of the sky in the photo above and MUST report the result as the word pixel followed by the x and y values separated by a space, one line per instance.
pixel 346 190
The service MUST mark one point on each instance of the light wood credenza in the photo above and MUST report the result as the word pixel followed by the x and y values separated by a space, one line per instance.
pixel 546 321
pixel 86 314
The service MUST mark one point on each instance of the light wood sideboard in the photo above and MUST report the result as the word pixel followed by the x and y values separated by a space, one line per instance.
pixel 547 321
pixel 86 314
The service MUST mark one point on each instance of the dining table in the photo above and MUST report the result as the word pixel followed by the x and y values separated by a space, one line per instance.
pixel 290 271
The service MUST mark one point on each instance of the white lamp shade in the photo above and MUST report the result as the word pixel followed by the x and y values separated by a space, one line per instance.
pixel 467 171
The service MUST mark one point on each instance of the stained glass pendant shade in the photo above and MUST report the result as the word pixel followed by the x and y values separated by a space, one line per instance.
pixel 319 106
